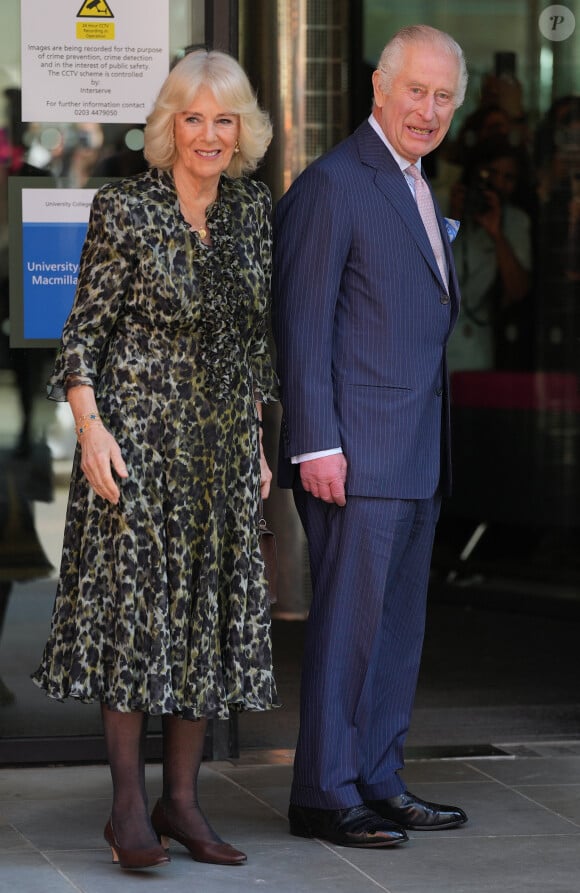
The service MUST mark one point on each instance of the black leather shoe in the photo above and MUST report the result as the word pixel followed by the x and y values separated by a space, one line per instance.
pixel 411 812
pixel 354 826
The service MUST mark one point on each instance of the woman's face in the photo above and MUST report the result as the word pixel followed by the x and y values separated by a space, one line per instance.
pixel 502 176
pixel 205 137
pixel 495 124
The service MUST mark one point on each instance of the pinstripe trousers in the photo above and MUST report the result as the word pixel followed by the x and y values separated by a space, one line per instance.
pixel 369 562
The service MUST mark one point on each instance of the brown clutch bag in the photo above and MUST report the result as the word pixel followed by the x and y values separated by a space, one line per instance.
pixel 269 555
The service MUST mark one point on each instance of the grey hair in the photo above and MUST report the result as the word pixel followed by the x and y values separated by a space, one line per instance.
pixel 391 57
pixel 228 82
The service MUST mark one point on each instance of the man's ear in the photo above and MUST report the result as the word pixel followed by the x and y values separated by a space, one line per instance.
pixel 377 90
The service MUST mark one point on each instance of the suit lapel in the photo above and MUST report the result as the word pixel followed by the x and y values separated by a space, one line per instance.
pixel 391 182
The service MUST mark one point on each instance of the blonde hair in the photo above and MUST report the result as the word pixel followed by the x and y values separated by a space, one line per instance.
pixel 391 57
pixel 228 82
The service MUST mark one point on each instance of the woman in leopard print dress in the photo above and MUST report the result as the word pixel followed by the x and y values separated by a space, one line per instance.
pixel 162 605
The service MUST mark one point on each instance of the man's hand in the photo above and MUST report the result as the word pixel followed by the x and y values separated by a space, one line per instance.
pixel 325 478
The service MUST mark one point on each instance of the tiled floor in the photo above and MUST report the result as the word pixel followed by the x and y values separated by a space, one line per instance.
pixel 523 833
pixel 512 679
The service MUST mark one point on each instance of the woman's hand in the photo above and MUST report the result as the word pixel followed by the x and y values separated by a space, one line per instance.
pixel 265 475
pixel 100 454
pixel 99 450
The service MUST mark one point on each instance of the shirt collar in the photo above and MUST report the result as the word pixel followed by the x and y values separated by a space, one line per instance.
pixel 402 162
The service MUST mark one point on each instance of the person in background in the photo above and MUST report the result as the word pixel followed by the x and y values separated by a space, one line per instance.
pixel 557 157
pixel 162 605
pixel 493 256
pixel 362 310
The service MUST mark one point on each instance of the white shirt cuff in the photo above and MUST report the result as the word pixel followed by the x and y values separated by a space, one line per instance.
pixel 306 457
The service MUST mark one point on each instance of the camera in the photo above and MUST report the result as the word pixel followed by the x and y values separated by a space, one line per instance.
pixel 476 198
pixel 505 65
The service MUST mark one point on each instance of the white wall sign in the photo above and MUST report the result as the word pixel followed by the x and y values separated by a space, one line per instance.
pixel 93 60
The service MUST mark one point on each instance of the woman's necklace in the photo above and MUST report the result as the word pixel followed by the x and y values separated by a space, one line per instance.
pixel 192 219
pixel 194 214
pixel 200 230
pixel 195 225
pixel 193 207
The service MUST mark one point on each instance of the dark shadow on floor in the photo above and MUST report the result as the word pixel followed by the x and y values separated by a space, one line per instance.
pixel 496 668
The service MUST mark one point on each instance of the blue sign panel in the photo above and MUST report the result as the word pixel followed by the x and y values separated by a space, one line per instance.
pixel 50 257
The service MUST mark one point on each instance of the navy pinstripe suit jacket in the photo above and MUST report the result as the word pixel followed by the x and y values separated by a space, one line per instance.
pixel 361 318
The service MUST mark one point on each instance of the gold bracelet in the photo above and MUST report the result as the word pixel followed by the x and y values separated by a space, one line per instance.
pixel 86 421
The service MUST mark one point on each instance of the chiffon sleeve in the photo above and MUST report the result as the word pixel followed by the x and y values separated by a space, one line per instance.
pixel 106 267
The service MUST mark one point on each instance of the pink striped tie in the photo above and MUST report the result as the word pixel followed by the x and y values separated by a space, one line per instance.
pixel 427 212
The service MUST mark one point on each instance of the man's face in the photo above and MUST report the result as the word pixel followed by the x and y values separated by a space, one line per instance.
pixel 416 112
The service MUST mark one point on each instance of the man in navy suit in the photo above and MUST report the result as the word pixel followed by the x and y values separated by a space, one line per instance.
pixel 362 314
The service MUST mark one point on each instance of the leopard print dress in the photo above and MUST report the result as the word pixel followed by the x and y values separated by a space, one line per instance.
pixel 162 604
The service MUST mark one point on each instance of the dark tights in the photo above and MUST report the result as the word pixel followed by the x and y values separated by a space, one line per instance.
pixel 183 743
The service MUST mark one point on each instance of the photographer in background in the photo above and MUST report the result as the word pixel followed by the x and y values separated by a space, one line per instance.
pixel 502 89
pixel 493 257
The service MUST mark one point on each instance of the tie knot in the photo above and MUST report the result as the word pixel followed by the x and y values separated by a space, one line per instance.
pixel 414 172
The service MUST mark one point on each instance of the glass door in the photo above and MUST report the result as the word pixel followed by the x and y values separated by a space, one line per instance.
pixel 510 171
pixel 36 436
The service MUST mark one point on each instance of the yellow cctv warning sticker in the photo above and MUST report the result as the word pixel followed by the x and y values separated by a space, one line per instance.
pixel 95 9
pixel 95 30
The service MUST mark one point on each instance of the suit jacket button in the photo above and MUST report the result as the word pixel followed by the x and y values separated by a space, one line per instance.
pixel 444 298
pixel 439 392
